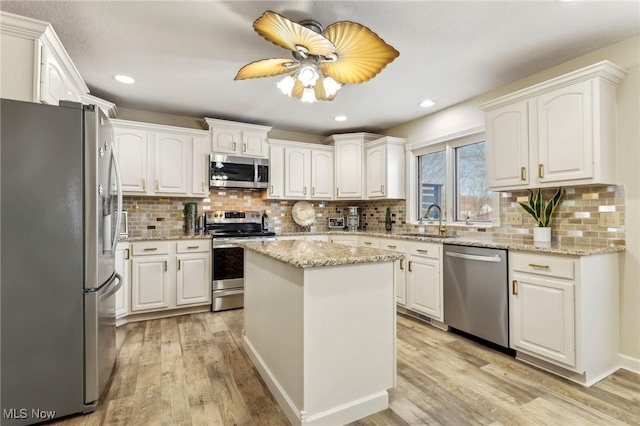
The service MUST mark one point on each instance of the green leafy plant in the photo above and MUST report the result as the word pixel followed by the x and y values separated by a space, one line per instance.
pixel 541 211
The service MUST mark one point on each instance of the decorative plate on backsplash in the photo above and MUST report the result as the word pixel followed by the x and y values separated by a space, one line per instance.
pixel 303 213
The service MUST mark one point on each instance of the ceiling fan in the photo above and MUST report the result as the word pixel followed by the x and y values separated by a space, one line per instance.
pixel 323 61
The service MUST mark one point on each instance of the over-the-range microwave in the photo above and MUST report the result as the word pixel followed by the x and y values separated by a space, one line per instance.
pixel 238 172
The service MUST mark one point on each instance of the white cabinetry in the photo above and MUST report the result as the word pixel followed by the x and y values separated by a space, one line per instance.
pixel 385 168
pixel 162 160
pixel 167 275
pixel 151 274
pixel 400 275
pixel 300 171
pixel 193 282
pixel 564 313
pixel 365 241
pixel 347 240
pixel 559 132
pixel 424 279
pixel 230 137
pixel 349 164
pixel 35 67
pixel 123 267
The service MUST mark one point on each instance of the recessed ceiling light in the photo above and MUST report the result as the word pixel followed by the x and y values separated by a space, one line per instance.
pixel 340 118
pixel 124 79
pixel 427 103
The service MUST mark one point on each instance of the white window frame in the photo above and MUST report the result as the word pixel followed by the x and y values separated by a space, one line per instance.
pixel 448 144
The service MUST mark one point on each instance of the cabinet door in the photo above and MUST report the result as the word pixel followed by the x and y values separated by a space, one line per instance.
pixel 122 264
pixel 254 144
pixel 149 283
pixel 171 163
pixel 200 151
pixel 376 171
pixel 424 287
pixel 297 162
pixel 227 141
pixel 131 146
pixel 507 133
pixel 321 174
pixel 542 319
pixel 348 169
pixel 565 133
pixel 54 81
pixel 276 171
pixel 193 279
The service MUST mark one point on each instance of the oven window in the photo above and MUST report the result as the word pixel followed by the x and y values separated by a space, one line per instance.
pixel 228 263
pixel 231 171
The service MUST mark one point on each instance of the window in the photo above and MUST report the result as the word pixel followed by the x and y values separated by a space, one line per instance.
pixel 453 175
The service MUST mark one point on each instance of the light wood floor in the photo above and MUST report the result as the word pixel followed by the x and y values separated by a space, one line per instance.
pixel 192 370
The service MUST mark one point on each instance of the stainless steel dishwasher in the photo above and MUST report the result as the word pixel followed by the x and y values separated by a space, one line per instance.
pixel 476 292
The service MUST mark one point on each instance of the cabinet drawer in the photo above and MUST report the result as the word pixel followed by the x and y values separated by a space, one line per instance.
pixel 430 250
pixel 368 242
pixel 549 266
pixel 393 245
pixel 150 248
pixel 193 246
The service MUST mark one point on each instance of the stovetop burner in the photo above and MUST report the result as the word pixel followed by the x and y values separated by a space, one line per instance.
pixel 235 224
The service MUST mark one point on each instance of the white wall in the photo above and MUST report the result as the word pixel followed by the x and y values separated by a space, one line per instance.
pixel 627 55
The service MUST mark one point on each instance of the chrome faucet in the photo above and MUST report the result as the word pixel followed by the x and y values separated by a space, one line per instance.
pixel 441 229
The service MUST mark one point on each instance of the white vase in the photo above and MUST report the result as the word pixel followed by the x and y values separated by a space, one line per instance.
pixel 541 234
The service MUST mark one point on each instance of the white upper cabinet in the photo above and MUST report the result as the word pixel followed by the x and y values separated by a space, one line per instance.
pixel 560 132
pixel 171 163
pixel 162 160
pixel 230 137
pixel 385 168
pixel 300 171
pixel 35 67
pixel 349 164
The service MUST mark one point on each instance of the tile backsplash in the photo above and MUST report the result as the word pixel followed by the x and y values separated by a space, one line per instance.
pixel 575 220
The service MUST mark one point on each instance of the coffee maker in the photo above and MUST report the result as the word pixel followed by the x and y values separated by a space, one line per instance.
pixel 353 218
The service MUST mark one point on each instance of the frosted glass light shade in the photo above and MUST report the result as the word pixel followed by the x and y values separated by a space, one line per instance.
pixel 308 95
pixel 308 76
pixel 286 85
pixel 331 86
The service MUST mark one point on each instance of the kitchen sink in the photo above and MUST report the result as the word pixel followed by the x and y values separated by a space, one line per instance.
pixel 425 235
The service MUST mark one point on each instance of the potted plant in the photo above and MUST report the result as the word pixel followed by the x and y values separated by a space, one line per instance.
pixel 541 212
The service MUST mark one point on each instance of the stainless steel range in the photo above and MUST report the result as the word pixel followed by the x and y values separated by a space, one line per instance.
pixel 227 229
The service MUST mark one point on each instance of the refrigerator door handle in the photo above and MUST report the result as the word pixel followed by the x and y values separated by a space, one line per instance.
pixel 116 165
pixel 114 289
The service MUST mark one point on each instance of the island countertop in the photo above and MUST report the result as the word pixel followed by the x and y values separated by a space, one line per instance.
pixel 312 254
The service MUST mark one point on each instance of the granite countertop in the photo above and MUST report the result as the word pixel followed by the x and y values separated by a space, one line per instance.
pixel 172 236
pixel 555 247
pixel 311 254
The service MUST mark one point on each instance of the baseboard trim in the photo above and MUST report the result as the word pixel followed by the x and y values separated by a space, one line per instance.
pixel 629 363
pixel 144 316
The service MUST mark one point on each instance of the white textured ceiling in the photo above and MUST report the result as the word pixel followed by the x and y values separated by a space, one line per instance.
pixel 184 55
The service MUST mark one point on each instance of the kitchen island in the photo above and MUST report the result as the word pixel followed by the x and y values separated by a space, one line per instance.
pixel 319 325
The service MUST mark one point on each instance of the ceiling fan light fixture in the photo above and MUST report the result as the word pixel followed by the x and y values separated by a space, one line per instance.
pixel 286 85
pixel 308 95
pixel 308 76
pixel 331 86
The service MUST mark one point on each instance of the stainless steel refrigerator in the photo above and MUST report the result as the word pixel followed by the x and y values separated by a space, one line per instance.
pixel 60 211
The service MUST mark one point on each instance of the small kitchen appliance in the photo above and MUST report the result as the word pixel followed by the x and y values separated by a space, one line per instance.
pixel 336 222
pixel 353 218
pixel 227 229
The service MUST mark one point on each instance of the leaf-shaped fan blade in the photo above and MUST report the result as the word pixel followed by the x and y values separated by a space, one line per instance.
pixel 288 34
pixel 266 68
pixel 318 90
pixel 361 53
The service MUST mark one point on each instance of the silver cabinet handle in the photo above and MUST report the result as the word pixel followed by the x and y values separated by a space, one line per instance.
pixel 127 255
pixel 535 265
pixel 234 146
pixel 151 248
pixel 392 247
pixel 382 189
pixel 144 185
pixel 313 190
pixel 305 191
pixel 244 147
pixel 165 265
pixel 203 187
pixel 410 262
pixel 271 189
pixel 402 264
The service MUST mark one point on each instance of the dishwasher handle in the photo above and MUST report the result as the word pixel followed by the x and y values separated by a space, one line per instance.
pixel 496 258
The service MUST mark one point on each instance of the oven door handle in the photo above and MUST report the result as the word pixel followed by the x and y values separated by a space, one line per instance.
pixel 223 293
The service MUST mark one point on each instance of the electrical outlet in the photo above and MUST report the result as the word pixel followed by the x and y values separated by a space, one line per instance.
pixel 609 220
pixel 513 218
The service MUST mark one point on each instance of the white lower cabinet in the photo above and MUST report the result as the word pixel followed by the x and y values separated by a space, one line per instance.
pixel 400 275
pixel 194 273
pixel 563 313
pixel 424 279
pixel 167 275
pixel 347 240
pixel 123 268
pixel 371 242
